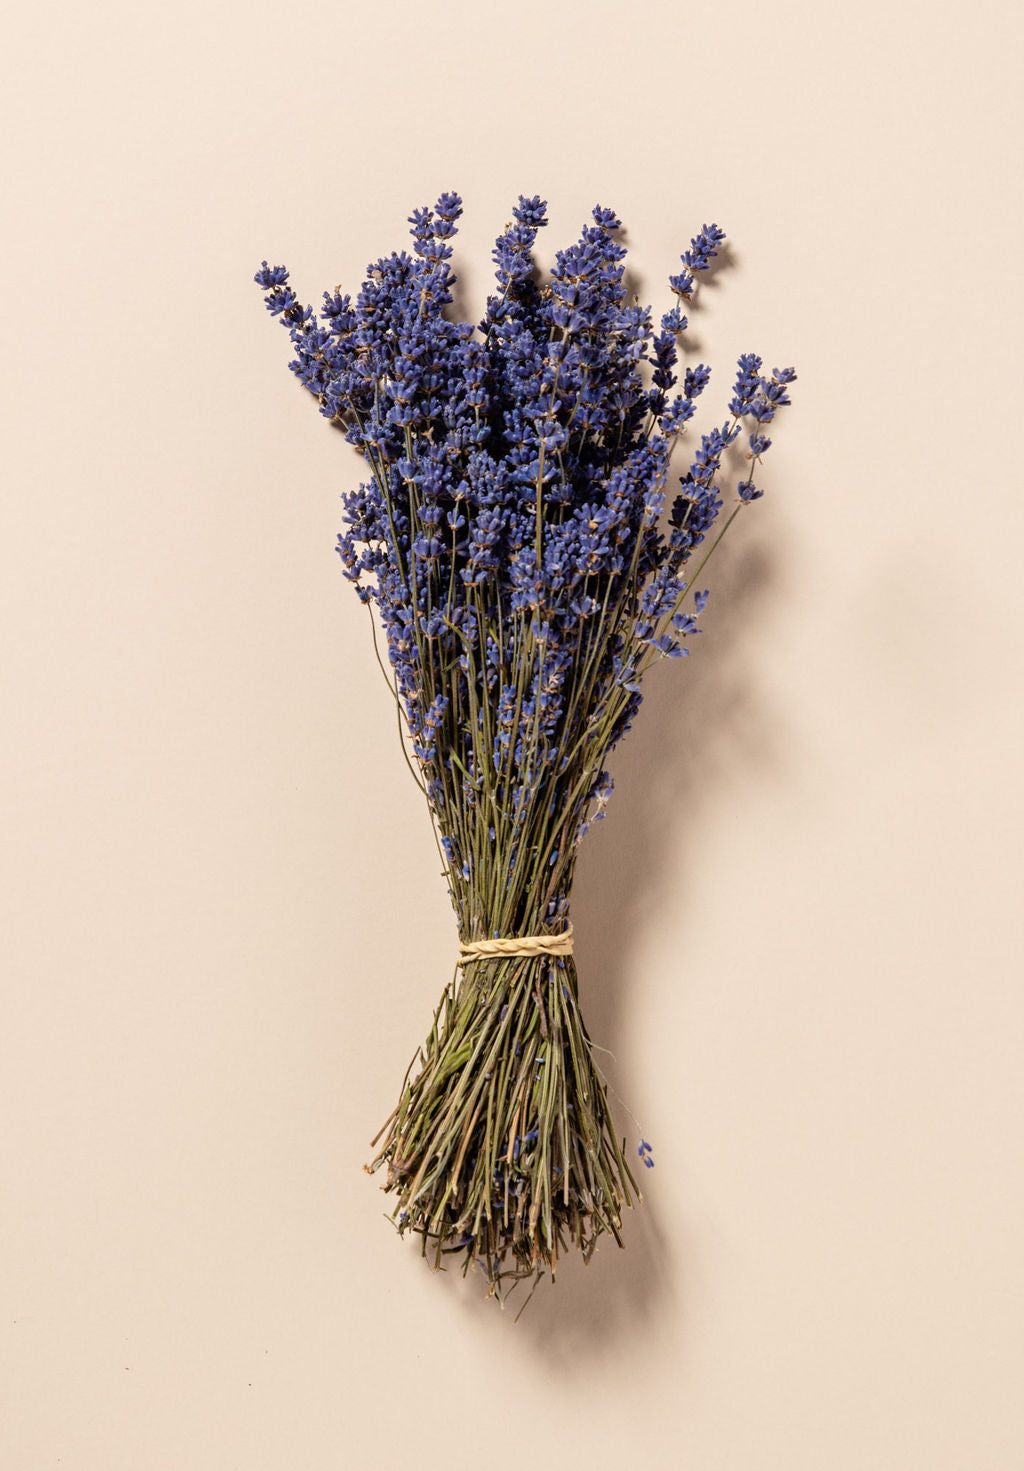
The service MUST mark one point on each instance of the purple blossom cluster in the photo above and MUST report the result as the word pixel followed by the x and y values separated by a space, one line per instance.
pixel 514 532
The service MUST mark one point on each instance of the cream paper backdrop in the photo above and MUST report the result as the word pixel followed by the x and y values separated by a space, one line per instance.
pixel 799 930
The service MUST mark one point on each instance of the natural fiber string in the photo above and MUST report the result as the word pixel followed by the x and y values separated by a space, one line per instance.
pixel 517 945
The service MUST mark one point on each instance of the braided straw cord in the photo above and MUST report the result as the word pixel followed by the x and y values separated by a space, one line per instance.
pixel 517 945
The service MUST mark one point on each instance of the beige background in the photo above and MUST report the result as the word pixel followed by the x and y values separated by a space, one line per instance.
pixel 224 933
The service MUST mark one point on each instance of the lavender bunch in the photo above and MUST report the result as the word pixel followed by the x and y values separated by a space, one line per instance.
pixel 515 539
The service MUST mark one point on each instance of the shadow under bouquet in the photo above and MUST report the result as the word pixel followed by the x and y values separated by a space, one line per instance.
pixel 516 542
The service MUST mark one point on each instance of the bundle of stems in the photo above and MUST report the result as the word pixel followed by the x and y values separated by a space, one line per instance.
pixel 512 541
pixel 502 1147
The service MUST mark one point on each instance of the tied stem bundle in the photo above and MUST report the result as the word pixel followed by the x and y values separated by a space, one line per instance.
pixel 502 1148
pixel 514 543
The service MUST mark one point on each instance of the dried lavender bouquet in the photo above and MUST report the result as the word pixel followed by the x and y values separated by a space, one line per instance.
pixel 515 539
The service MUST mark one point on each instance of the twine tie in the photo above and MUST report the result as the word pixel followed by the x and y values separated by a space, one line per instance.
pixel 517 945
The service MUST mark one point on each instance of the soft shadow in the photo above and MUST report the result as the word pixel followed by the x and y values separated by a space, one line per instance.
pixel 464 305
pixel 700 725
